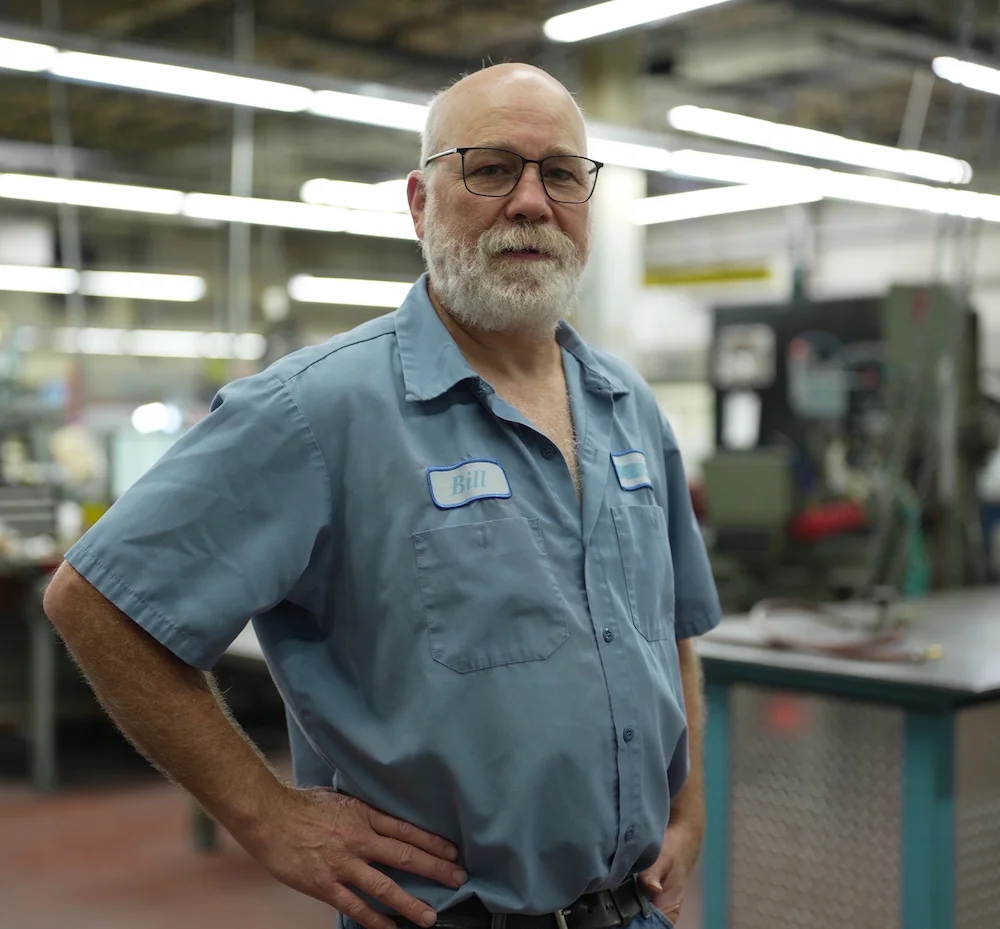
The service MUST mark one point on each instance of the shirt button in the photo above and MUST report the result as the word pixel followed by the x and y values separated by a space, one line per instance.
pixel 608 635
pixel 629 834
pixel 548 451
pixel 628 735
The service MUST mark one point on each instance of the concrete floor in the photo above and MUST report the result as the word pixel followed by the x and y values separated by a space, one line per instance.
pixel 113 850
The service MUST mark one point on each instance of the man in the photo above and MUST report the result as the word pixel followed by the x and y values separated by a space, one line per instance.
pixel 467 546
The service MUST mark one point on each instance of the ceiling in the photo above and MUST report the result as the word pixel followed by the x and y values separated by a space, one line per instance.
pixel 845 66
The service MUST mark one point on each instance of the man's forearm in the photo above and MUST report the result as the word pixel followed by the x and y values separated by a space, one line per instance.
pixel 170 711
pixel 688 807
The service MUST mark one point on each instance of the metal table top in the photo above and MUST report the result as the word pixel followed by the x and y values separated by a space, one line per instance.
pixel 966 623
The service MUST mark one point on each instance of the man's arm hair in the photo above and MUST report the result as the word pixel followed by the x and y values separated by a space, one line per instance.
pixel 171 712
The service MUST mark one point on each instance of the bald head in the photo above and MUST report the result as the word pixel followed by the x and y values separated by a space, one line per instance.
pixel 500 94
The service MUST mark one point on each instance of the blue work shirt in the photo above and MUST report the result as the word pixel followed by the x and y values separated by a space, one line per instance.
pixel 459 639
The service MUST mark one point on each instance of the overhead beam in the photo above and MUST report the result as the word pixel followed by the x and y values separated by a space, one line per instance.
pixel 900 33
pixel 124 23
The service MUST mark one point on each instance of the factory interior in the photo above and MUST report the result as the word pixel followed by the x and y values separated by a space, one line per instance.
pixel 795 242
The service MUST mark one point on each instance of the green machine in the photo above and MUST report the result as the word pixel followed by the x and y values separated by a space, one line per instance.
pixel 849 438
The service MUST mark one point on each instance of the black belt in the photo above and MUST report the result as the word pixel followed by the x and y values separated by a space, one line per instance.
pixel 601 910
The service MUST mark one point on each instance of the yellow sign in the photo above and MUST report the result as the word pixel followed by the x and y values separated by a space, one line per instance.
pixel 708 274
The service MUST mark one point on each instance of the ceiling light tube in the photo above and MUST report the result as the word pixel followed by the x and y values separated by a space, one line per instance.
pixel 308 289
pixel 629 154
pixel 26 56
pixel 216 207
pixel 616 15
pixel 838 185
pixel 25 279
pixel 376 111
pixel 181 82
pixel 293 215
pixel 719 201
pixel 735 169
pixel 91 193
pixel 135 285
pixel 824 146
pixel 968 74
pixel 139 285
pixel 384 197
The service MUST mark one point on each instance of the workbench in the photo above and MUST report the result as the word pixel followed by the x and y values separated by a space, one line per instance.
pixel 850 793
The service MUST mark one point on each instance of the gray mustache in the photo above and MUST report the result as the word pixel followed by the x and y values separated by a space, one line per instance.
pixel 517 238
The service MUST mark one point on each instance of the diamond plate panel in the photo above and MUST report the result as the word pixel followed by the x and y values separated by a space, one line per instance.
pixel 977 818
pixel 816 812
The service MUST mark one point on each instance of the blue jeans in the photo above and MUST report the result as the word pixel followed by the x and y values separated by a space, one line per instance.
pixel 655 920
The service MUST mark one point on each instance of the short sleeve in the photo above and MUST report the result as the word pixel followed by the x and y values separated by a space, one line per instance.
pixel 696 598
pixel 222 528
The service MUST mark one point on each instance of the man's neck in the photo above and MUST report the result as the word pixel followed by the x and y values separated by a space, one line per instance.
pixel 514 354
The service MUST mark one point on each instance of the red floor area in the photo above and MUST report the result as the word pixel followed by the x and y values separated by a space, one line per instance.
pixel 123 859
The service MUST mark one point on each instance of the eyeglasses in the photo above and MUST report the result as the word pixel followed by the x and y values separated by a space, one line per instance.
pixel 494 172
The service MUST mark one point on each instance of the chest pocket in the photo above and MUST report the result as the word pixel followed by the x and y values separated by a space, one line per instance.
pixel 649 568
pixel 489 594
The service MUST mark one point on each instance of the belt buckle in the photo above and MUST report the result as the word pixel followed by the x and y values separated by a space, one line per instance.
pixel 561 919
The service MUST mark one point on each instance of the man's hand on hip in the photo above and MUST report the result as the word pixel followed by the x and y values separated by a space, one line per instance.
pixel 667 879
pixel 322 843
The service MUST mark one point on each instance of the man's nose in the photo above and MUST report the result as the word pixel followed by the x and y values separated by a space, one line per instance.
pixel 528 202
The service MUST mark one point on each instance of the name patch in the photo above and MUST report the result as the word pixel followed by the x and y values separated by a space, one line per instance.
pixel 631 468
pixel 476 479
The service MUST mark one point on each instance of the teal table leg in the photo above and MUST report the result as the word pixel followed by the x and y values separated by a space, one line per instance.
pixel 929 822
pixel 715 868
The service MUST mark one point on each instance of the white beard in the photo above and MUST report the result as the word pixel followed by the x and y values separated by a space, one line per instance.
pixel 484 291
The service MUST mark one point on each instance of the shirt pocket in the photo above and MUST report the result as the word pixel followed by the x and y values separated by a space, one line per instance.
pixel 648 567
pixel 489 594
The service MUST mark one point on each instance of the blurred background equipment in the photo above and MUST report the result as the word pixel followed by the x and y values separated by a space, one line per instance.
pixel 850 439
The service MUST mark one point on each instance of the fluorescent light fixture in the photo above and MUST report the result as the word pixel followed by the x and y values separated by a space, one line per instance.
pixel 629 155
pixel 384 197
pixel 181 82
pixel 91 193
pixel 308 289
pixel 293 215
pixel 25 56
pixel 718 201
pixel 616 15
pixel 824 146
pixel 153 343
pixel 381 225
pixel 375 111
pixel 735 169
pixel 138 285
pixel 24 279
pixel 976 77
pixel 220 208
pixel 255 211
pixel 837 185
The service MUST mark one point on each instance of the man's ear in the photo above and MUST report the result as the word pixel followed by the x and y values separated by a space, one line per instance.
pixel 416 196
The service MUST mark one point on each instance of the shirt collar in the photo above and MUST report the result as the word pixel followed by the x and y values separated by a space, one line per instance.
pixel 432 363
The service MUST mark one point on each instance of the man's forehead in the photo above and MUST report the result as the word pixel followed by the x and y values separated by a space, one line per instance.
pixel 527 104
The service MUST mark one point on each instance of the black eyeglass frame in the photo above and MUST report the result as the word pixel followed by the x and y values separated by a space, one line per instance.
pixel 524 163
